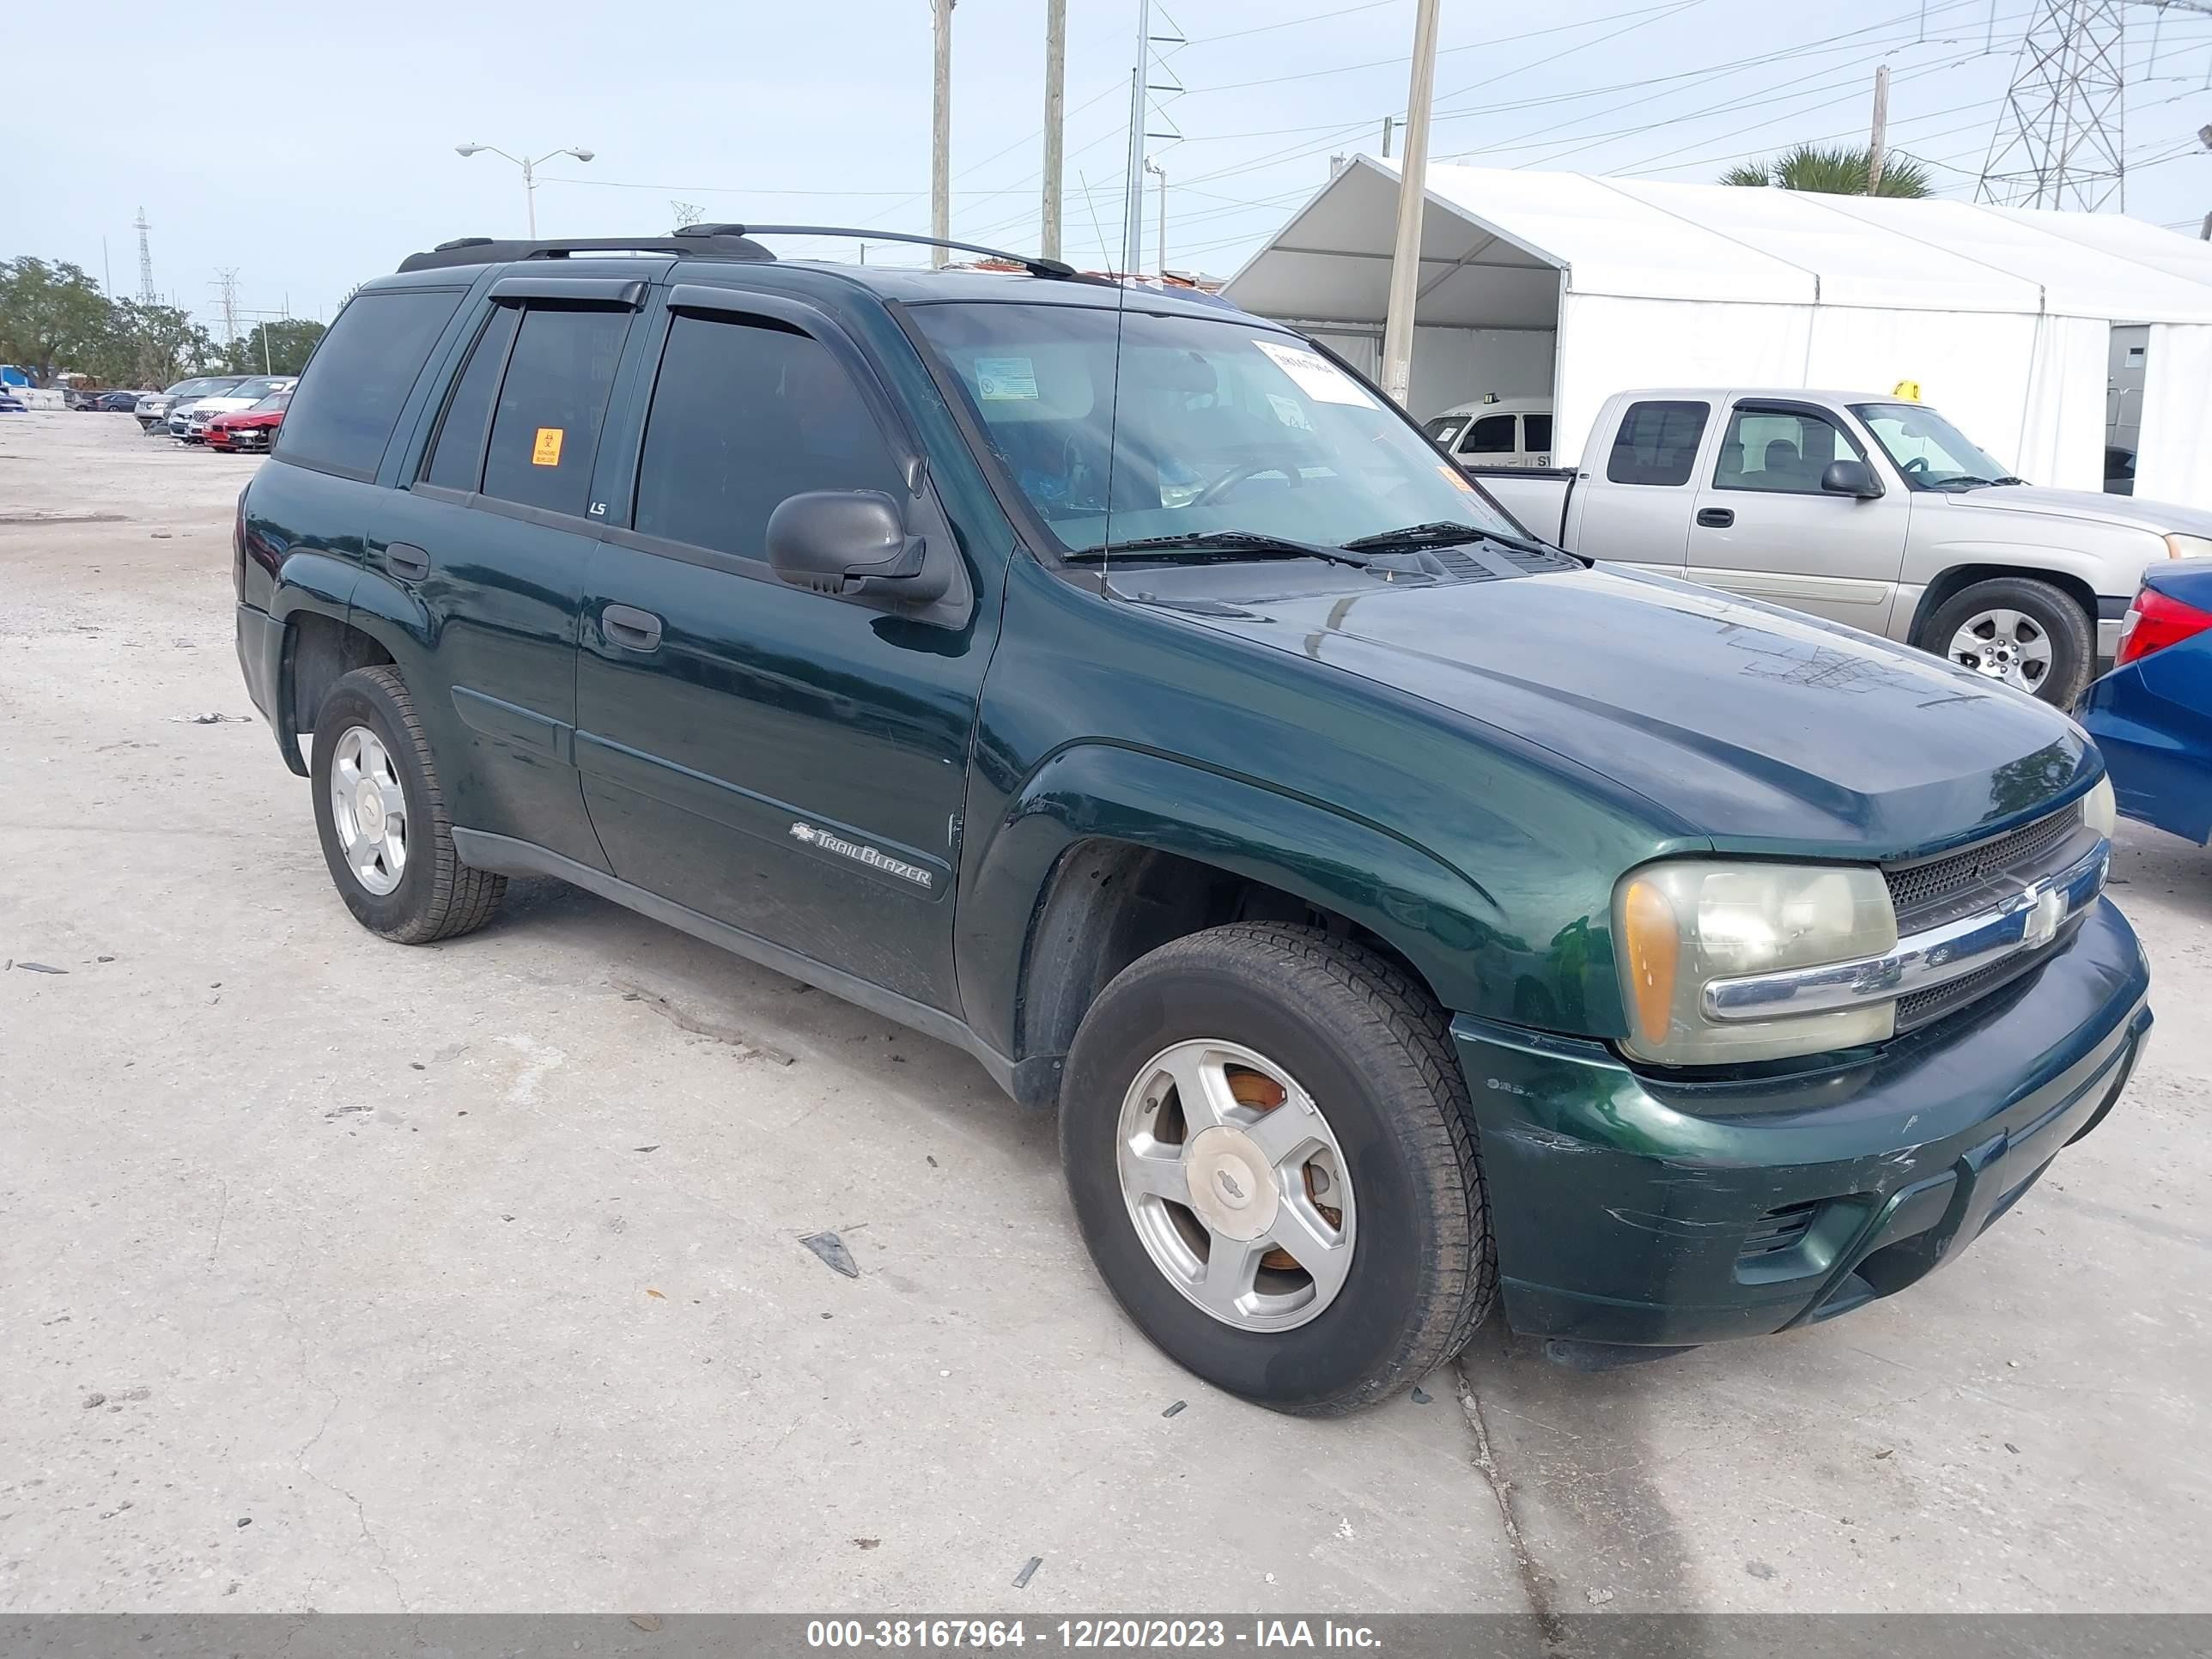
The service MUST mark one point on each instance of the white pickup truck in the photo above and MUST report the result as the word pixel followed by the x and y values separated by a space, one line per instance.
pixel 1861 508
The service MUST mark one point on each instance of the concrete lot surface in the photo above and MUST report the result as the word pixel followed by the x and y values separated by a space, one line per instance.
pixel 334 1274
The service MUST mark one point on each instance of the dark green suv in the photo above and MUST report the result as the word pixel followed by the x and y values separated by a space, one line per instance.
pixel 1404 917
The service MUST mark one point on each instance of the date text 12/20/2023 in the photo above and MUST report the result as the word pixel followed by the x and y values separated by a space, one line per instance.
pixel 1098 1633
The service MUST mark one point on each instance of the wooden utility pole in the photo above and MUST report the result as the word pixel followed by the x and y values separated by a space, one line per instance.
pixel 1876 147
pixel 940 134
pixel 1055 114
pixel 1405 257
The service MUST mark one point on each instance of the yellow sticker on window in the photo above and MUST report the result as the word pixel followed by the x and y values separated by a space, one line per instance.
pixel 1452 476
pixel 546 451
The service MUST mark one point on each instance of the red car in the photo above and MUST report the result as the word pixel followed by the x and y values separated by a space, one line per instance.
pixel 250 428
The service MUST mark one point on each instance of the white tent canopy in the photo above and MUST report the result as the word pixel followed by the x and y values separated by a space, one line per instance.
pixel 1583 287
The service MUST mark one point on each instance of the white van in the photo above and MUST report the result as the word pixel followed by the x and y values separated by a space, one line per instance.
pixel 1513 432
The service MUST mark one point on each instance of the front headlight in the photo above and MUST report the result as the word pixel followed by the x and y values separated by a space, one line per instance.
pixel 2189 547
pixel 1682 925
pixel 2100 810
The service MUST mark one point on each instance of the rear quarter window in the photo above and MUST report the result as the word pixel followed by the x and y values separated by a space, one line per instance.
pixel 1657 443
pixel 349 397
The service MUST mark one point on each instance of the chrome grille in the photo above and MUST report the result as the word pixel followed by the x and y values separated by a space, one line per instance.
pixel 1957 882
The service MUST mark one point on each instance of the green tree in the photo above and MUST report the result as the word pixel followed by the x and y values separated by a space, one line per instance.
pixel 1834 170
pixel 151 346
pixel 52 317
pixel 276 348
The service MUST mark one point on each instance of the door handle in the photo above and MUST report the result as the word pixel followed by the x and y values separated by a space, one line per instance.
pixel 631 628
pixel 1716 518
pixel 406 560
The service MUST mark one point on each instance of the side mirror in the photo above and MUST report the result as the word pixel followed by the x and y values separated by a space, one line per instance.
pixel 824 540
pixel 1849 478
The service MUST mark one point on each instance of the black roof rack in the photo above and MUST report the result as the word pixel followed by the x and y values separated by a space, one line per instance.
pixel 488 250
pixel 1028 262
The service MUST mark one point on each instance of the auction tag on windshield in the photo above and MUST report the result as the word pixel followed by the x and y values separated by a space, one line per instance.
pixel 1314 375
pixel 546 451
pixel 1005 380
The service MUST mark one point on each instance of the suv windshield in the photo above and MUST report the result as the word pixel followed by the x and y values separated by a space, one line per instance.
pixel 1931 452
pixel 254 389
pixel 1217 428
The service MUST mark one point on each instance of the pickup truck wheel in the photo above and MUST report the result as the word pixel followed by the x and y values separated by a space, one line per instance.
pixel 2028 634
pixel 385 832
pixel 1267 1142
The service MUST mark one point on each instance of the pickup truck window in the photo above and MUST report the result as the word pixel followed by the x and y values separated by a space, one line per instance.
pixel 1445 428
pixel 1217 426
pixel 545 432
pixel 351 396
pixel 1931 452
pixel 1778 452
pixel 1657 443
pixel 1536 433
pixel 744 417
pixel 457 454
pixel 1491 435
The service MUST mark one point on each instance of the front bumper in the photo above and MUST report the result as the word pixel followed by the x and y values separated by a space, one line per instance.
pixel 1631 1210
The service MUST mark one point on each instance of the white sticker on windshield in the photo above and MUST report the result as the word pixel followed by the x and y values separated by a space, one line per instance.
pixel 1005 380
pixel 1314 375
pixel 1289 412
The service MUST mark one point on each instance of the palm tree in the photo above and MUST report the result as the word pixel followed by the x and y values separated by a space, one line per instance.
pixel 1833 170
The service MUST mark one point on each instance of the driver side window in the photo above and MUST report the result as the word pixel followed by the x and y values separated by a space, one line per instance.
pixel 1779 451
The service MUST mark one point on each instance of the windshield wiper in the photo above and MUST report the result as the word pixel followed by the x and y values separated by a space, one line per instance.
pixel 1249 543
pixel 1440 532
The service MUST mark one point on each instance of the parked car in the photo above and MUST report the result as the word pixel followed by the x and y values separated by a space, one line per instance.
pixel 2152 715
pixel 123 402
pixel 189 421
pixel 1864 509
pixel 1404 917
pixel 153 412
pixel 253 428
pixel 11 404
pixel 1507 432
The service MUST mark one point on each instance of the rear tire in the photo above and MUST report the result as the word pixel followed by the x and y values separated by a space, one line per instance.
pixel 386 834
pixel 2031 635
pixel 1375 1144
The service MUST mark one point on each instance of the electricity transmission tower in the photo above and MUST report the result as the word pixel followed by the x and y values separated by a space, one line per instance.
pixel 2061 140
pixel 226 282
pixel 146 296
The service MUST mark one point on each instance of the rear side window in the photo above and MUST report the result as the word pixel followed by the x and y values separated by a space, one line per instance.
pixel 351 396
pixel 457 455
pixel 545 428
pixel 1536 431
pixel 1491 435
pixel 1657 443
pixel 744 417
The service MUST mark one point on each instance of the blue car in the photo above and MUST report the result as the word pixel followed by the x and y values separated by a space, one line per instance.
pixel 2152 715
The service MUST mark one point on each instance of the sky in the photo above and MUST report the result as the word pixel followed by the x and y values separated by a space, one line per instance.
pixel 308 149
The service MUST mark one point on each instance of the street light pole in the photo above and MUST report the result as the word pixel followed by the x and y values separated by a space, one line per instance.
pixel 1405 257
pixel 529 171
pixel 1158 172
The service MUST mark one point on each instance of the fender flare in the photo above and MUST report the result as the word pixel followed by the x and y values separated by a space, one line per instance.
pixel 1437 917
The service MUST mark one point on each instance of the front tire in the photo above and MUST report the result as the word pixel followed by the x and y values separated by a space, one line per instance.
pixel 386 834
pixel 2028 634
pixel 1269 1149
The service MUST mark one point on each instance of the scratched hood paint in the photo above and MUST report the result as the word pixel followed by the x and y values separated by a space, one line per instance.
pixel 1756 727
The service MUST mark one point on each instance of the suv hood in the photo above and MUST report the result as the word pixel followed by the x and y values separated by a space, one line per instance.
pixel 2129 511
pixel 1758 728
